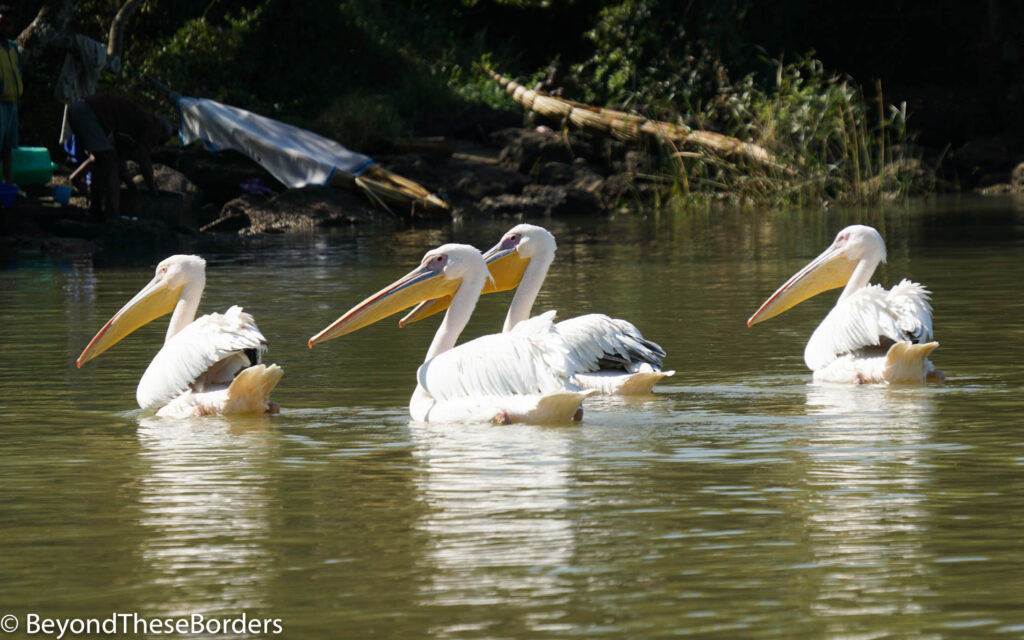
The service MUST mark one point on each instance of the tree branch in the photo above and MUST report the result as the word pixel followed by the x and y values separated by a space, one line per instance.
pixel 115 41
pixel 49 29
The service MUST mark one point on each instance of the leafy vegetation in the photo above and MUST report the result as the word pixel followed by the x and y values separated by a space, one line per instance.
pixel 819 126
pixel 358 70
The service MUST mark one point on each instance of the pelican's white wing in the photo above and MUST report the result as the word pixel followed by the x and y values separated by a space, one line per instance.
pixel 530 359
pixel 205 355
pixel 610 355
pixel 908 302
pixel 596 341
pixel 871 317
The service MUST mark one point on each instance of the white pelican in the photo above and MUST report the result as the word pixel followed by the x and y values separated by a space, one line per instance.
pixel 209 365
pixel 606 354
pixel 871 335
pixel 520 376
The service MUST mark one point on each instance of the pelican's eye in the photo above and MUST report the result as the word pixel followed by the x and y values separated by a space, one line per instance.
pixel 437 262
pixel 511 240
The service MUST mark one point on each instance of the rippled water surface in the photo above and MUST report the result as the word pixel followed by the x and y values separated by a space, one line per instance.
pixel 738 501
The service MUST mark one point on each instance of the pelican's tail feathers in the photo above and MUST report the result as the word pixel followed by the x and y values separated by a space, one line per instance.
pixel 907 363
pixel 250 390
pixel 555 407
pixel 620 383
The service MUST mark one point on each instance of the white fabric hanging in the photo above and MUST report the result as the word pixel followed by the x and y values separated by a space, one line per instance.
pixel 294 156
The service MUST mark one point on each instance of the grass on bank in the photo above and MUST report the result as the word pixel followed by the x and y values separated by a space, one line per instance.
pixel 831 142
pixel 819 126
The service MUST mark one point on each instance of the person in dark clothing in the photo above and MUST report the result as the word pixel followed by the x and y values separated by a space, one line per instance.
pixel 112 128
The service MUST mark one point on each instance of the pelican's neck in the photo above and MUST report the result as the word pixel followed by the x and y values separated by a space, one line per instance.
pixel 186 308
pixel 529 287
pixel 861 276
pixel 459 312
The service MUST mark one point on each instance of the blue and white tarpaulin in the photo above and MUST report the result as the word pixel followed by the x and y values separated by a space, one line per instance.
pixel 294 156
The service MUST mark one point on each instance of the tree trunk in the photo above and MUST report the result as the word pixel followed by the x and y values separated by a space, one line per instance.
pixel 115 41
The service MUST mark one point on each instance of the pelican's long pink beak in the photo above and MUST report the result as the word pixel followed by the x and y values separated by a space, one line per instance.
pixel 830 270
pixel 156 299
pixel 423 283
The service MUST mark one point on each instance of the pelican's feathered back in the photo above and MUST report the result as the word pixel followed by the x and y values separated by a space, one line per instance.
pixel 194 350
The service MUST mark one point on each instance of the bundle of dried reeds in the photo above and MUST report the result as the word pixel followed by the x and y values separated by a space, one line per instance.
pixel 391 190
pixel 633 128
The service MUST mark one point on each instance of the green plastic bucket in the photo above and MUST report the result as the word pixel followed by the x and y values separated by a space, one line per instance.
pixel 31 166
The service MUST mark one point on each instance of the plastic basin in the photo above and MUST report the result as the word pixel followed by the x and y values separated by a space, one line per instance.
pixel 31 166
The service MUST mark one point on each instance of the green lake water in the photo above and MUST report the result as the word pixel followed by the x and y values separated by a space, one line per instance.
pixel 738 501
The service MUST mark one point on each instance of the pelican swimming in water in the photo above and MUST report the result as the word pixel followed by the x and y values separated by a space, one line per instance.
pixel 606 354
pixel 872 334
pixel 210 365
pixel 520 376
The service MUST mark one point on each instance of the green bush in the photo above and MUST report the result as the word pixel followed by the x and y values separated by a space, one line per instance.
pixel 303 66
pixel 203 60
pixel 819 126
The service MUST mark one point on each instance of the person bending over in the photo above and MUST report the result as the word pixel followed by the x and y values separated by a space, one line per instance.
pixel 113 128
